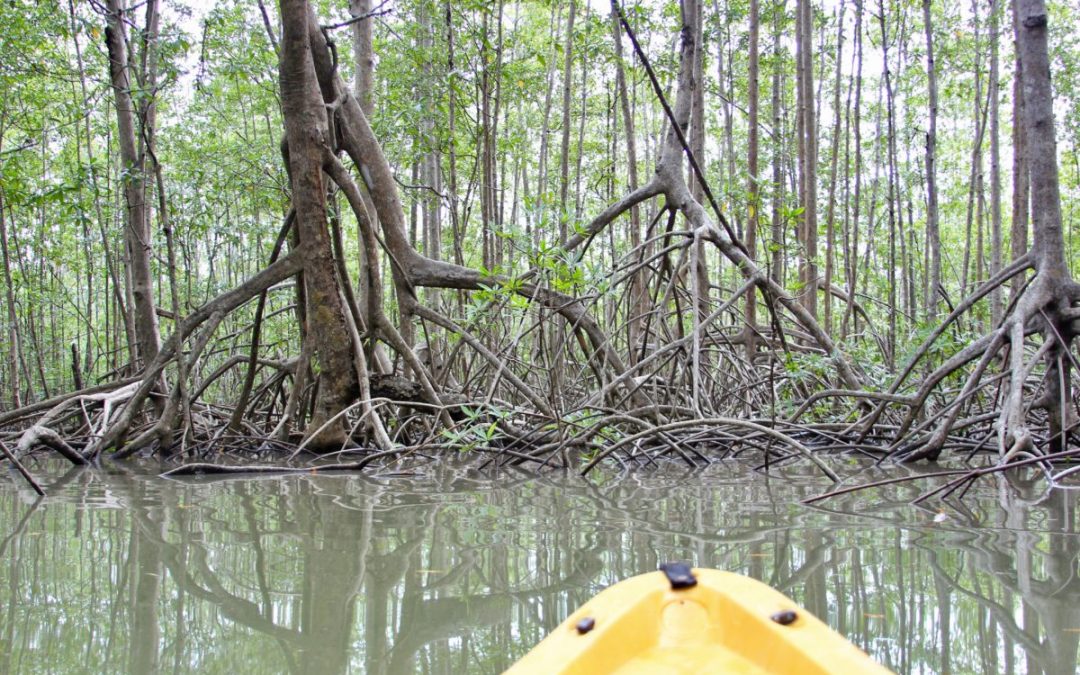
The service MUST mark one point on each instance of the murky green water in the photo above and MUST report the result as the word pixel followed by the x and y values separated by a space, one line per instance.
pixel 451 572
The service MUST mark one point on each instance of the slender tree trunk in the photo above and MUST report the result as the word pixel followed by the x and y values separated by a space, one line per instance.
pixel 872 258
pixel 496 168
pixel 35 318
pixel 86 141
pixel 725 75
pixel 893 189
pixel 542 194
pixel 996 308
pixel 696 135
pixel 564 155
pixel 911 256
pixel 487 157
pixel 933 236
pixel 495 85
pixel 579 193
pixel 777 225
pixel 136 231
pixel 503 246
pixel 364 89
pixel 830 218
pixel 414 178
pixel 363 54
pixel 974 203
pixel 849 122
pixel 753 189
pixel 638 294
pixel 451 113
pixel 697 147
pixel 15 341
pixel 808 274
pixel 979 273
pixel 853 260
pixel 1020 174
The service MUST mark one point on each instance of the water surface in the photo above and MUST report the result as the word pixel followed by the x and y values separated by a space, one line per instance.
pixel 448 571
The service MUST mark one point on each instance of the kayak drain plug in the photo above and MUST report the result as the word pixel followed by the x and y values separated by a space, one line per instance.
pixel 678 575
pixel 785 617
pixel 585 625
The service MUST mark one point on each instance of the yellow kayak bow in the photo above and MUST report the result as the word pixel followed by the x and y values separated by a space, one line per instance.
pixel 695 621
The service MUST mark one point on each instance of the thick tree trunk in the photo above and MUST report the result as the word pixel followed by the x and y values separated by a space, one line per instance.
pixel 307 134
pixel 1047 303
pixel 1040 142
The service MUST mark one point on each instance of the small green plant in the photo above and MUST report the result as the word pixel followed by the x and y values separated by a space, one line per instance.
pixel 479 428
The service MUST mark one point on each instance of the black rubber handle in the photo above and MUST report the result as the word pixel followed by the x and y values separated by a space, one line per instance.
pixel 678 575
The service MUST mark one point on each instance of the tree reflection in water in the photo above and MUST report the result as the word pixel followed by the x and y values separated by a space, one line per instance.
pixel 453 572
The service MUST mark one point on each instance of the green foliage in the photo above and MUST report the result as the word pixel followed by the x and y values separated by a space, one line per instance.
pixel 219 127
pixel 480 428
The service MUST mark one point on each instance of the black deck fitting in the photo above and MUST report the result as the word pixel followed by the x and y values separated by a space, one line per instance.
pixel 678 575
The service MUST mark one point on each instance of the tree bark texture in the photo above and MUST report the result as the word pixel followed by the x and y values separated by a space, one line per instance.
pixel 136 231
pixel 306 134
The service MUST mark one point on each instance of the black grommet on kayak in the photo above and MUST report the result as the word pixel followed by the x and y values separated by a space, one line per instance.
pixel 585 625
pixel 678 575
pixel 785 617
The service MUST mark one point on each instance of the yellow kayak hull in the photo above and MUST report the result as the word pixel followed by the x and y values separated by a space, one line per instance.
pixel 726 623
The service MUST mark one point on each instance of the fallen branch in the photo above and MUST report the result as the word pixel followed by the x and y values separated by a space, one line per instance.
pixel 39 435
pixel 22 469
